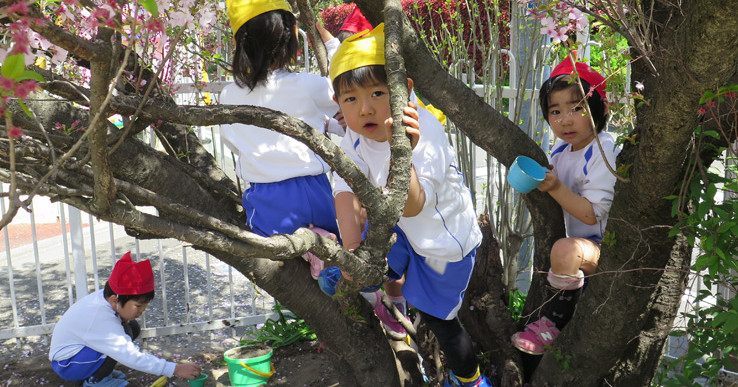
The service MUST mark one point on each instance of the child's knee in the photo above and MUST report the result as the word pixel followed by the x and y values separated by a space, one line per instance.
pixel 565 252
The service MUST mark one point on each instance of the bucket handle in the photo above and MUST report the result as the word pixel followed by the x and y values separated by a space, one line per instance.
pixel 262 374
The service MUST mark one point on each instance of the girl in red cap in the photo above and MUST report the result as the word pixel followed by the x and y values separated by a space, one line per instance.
pixel 97 332
pixel 581 183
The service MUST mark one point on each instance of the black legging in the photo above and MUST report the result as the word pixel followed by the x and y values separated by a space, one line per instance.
pixel 132 329
pixel 455 343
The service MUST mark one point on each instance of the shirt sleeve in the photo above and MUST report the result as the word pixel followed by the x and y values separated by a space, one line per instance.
pixel 331 47
pixel 429 157
pixel 107 336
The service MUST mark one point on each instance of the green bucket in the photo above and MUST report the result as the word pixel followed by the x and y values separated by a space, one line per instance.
pixel 249 366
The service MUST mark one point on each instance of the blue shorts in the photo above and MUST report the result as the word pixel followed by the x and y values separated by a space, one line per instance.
pixel 596 239
pixel 284 206
pixel 80 366
pixel 438 294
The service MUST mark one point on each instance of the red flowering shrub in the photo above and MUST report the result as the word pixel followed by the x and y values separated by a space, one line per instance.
pixel 333 16
pixel 446 26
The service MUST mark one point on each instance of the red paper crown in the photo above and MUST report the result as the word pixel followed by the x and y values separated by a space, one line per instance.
pixel 355 22
pixel 595 79
pixel 131 278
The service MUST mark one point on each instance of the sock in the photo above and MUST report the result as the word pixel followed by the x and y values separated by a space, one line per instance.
pixel 371 297
pixel 400 303
pixel 561 307
pixel 473 378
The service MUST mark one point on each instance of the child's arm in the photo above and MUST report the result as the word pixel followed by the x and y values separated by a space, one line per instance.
pixel 348 216
pixel 415 196
pixel 325 35
pixel 577 206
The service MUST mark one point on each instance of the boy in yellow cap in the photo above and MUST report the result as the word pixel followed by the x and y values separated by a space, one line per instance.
pixel 98 331
pixel 287 183
pixel 438 234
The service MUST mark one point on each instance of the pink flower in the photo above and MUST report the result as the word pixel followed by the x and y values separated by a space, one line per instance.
pixel 730 94
pixel 15 132
pixel 21 8
pixel 548 26
pixel 560 35
pixel 7 84
pixel 25 87
pixel 701 111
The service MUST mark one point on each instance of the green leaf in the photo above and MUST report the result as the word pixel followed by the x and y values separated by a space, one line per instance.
pixel 13 66
pixel 150 5
pixel 25 109
pixel 28 74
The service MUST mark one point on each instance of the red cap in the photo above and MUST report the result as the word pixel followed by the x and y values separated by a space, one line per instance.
pixel 131 278
pixel 355 22
pixel 585 72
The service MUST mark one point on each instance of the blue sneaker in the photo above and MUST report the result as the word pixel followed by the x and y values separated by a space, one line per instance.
pixel 108 381
pixel 453 381
pixel 329 277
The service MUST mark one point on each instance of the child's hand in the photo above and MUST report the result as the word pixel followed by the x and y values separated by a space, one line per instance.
pixel 187 370
pixel 325 35
pixel 410 119
pixel 550 182
pixel 339 117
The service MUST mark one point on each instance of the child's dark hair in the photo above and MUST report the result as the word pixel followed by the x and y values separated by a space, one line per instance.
pixel 264 43
pixel 596 104
pixel 360 76
pixel 123 298
pixel 343 34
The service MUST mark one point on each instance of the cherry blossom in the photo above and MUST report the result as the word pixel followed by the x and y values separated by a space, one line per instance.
pixel 15 132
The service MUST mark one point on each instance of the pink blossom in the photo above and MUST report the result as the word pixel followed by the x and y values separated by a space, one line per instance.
pixel 207 20
pixel 26 87
pixel 181 19
pixel 701 111
pixel 548 26
pixel 15 132
pixel 60 54
pixel 7 84
pixel 560 35
pixel 730 94
pixel 186 4
pixel 155 25
pixel 21 8
pixel 21 43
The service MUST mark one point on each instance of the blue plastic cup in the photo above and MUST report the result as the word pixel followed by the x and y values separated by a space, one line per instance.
pixel 525 174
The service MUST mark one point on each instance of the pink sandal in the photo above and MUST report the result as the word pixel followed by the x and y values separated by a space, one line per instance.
pixel 393 327
pixel 316 264
pixel 536 336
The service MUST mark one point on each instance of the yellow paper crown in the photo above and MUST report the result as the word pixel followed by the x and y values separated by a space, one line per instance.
pixel 241 11
pixel 363 49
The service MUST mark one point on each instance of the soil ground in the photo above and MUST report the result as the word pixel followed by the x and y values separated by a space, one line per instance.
pixel 303 364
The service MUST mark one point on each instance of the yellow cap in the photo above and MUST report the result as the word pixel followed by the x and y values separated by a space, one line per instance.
pixel 363 49
pixel 241 11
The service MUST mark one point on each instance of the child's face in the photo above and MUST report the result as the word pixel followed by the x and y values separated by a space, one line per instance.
pixel 366 109
pixel 568 118
pixel 131 310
